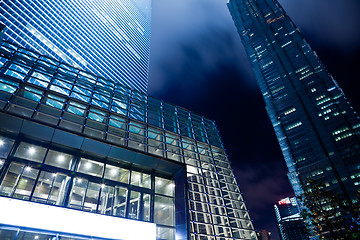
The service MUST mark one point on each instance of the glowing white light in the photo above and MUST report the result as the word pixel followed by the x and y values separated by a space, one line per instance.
pixel 31 150
pixel 1 142
pixel 87 165
pixel 102 186
pixel 36 216
pixel 158 182
pixel 28 169
pixel 113 172
pixel 61 158
pixel 1 162
pixel 78 180
pixel 36 237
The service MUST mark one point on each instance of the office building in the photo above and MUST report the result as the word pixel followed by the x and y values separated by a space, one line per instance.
pixel 110 38
pixel 289 221
pixel 83 157
pixel 317 129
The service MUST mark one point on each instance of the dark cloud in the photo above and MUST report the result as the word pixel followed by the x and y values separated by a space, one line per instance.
pixel 197 61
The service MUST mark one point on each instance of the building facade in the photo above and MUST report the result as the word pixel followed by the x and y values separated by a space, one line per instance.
pixel 317 129
pixel 105 37
pixel 100 156
pixel 289 221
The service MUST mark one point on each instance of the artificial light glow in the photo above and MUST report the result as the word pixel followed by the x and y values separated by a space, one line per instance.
pixel 88 165
pixel 28 169
pixel 61 158
pixel 36 237
pixel 113 172
pixel 1 142
pixel 36 216
pixel 31 150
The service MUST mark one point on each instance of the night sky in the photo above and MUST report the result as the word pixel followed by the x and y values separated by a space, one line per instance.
pixel 198 62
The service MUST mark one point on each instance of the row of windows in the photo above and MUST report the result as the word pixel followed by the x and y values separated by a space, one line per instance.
pixel 34 18
pixel 88 188
pixel 97 123
pixel 99 94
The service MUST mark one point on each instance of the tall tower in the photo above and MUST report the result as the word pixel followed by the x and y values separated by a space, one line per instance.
pixel 289 221
pixel 110 38
pixel 317 129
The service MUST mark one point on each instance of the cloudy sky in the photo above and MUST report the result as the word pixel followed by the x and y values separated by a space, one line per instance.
pixel 197 61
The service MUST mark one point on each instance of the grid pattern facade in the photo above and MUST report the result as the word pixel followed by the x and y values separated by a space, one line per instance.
pixel 317 129
pixel 56 94
pixel 289 221
pixel 105 37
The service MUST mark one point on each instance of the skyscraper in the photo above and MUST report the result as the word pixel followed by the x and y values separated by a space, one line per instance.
pixel 289 221
pixel 317 129
pixel 110 38
pixel 83 157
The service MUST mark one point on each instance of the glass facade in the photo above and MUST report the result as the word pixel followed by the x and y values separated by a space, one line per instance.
pixel 289 221
pixel 110 38
pixel 46 92
pixel 317 129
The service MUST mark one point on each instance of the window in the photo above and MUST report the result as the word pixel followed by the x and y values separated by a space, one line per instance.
pixel 164 211
pixel 116 174
pixel 59 159
pixel 140 179
pixel 134 205
pixel 55 101
pixel 164 186
pixel 51 188
pixel 90 167
pixel 76 108
pixel 30 152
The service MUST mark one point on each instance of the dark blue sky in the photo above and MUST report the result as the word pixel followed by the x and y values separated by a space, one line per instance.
pixel 197 61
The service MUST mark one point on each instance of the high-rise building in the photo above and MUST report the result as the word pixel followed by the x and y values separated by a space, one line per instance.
pixel 289 221
pixel 83 157
pixel 317 129
pixel 110 38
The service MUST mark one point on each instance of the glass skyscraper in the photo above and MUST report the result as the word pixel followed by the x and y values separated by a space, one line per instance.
pixel 110 38
pixel 83 157
pixel 317 129
pixel 289 221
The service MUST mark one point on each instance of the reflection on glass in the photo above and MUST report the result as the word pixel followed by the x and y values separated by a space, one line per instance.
pixel 116 174
pixel 59 189
pixel 91 167
pixel 8 234
pixel 43 187
pixel 120 201
pixel 164 210
pixel 2 162
pixel 59 159
pixel 11 179
pixel 165 233
pixel 30 152
pixel 164 186
pixel 5 146
pixel 106 200
pixel 146 207
pixel 140 179
pixel 134 205
pixel 78 193
pixel 26 183
pixel 92 196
